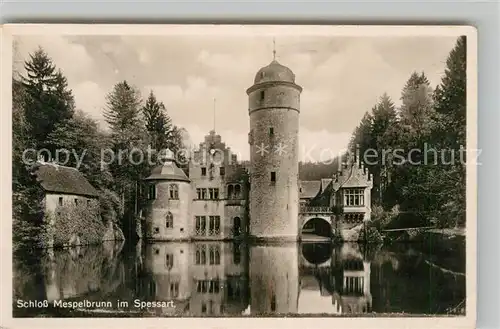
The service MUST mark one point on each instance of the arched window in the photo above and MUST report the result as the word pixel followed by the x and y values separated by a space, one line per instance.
pixel 230 191
pixel 237 191
pixel 169 220
pixel 236 254
pixel 174 191
pixel 236 226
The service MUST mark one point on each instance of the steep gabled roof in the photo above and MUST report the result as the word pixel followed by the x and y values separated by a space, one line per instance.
pixel 61 179
pixel 309 189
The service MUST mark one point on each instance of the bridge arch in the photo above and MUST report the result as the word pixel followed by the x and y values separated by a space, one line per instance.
pixel 317 254
pixel 317 225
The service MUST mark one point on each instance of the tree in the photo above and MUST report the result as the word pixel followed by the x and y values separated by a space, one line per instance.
pixel 158 123
pixel 123 108
pixel 416 111
pixel 28 228
pixel 449 133
pixel 450 98
pixel 83 141
pixel 385 133
pixel 129 142
pixel 48 100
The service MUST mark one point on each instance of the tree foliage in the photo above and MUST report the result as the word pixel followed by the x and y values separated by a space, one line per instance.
pixel 427 125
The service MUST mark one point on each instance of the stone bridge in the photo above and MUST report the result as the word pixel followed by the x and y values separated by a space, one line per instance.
pixel 316 223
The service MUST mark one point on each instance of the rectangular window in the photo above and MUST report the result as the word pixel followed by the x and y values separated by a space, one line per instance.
pixel 236 254
pixel 203 171
pixel 174 191
pixel 201 254
pixel 214 255
pixel 174 289
pixel 76 202
pixel 203 225
pixel 169 261
pixel 60 201
pixel 271 131
pixel 213 193
pixel 354 197
pixel 262 95
pixel 152 192
pixel 198 224
pixel 273 176
pixel 198 193
pixel 214 225
pixel 217 225
pixel 222 171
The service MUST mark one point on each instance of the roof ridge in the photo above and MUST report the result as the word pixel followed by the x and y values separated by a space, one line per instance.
pixel 53 164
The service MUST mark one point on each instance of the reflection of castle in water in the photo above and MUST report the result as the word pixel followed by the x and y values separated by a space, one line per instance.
pixel 221 279
pixel 342 277
pixel 214 278
pixel 203 278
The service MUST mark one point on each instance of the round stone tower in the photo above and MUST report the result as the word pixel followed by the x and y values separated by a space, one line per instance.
pixel 274 106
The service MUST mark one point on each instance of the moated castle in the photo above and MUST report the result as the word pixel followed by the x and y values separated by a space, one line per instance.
pixel 222 199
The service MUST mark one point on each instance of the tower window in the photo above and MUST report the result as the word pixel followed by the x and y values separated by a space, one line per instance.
pixel 271 131
pixel 174 191
pixel 273 176
pixel 262 95
pixel 60 201
pixel 203 171
pixel 152 192
pixel 222 171
pixel 169 220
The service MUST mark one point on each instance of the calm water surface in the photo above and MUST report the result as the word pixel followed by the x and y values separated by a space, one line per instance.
pixel 228 279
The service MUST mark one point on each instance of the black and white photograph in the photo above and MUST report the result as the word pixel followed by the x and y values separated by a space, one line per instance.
pixel 240 171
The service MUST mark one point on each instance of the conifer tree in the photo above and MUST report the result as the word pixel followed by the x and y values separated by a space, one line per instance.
pixel 158 123
pixel 48 99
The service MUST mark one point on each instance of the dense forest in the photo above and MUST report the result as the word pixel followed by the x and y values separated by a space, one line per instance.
pixel 45 116
pixel 416 152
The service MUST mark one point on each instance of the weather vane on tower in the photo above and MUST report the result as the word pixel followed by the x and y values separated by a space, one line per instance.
pixel 274 49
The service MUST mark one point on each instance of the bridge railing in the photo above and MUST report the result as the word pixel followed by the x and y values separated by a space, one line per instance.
pixel 316 210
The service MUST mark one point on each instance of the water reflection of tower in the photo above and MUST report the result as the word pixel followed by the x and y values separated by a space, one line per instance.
pixel 274 279
pixel 351 281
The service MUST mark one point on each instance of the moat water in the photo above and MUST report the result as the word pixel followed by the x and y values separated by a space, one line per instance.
pixel 236 279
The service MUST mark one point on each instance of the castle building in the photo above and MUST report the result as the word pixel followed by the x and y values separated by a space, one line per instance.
pixel 220 191
pixel 274 106
pixel 210 203
pixel 348 191
pixel 64 186
pixel 220 199
pixel 168 209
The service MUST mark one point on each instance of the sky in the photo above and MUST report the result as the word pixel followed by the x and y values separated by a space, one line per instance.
pixel 342 77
